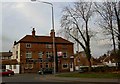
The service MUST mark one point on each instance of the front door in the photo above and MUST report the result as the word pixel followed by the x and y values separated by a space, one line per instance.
pixel 71 67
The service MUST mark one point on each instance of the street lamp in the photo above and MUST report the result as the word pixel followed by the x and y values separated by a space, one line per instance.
pixel 53 32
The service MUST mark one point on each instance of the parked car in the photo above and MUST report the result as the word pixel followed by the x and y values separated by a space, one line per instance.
pixel 6 72
pixel 45 71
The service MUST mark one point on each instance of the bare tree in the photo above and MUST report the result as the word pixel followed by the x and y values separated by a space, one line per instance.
pixel 110 13
pixel 74 17
pixel 116 7
pixel 105 10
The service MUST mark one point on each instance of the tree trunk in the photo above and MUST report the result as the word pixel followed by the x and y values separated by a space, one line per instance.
pixel 118 23
pixel 112 33
pixel 90 68
pixel 88 52
pixel 89 60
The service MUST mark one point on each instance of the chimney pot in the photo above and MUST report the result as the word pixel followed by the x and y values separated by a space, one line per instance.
pixel 33 32
pixel 52 33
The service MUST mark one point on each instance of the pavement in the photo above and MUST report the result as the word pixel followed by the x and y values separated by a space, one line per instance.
pixel 69 79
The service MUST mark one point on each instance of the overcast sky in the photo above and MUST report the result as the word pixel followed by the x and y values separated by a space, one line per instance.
pixel 18 19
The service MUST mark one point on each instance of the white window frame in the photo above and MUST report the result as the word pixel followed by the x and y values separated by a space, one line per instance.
pixel 28 45
pixel 40 54
pixel 48 46
pixel 28 55
pixel 48 54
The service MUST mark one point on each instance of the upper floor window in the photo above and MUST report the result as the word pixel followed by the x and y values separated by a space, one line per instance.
pixel 28 45
pixel 40 54
pixel 28 54
pixel 49 54
pixel 48 46
pixel 64 54
pixel 16 54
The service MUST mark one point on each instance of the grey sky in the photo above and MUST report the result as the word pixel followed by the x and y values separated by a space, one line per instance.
pixel 18 18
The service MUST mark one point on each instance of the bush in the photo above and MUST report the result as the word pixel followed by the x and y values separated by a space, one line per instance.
pixel 103 69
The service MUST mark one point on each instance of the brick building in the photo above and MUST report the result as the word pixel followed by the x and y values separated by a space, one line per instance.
pixel 34 52
pixel 80 60
pixel 7 62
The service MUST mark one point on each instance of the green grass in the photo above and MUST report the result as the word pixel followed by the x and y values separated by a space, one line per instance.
pixel 90 75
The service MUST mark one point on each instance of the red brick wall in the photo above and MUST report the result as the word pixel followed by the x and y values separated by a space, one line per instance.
pixel 36 47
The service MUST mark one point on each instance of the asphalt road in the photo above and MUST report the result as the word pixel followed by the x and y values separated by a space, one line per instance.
pixel 51 79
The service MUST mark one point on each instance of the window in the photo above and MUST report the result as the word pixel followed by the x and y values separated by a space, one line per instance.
pixel 28 54
pixel 65 55
pixel 10 66
pixel 47 66
pixel 3 58
pixel 40 60
pixel 40 54
pixel 14 66
pixel 28 66
pixel 49 54
pixel 28 45
pixel 48 46
pixel 65 66
pixel 16 54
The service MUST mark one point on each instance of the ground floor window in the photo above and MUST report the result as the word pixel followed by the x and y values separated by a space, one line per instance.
pixel 65 66
pixel 10 67
pixel 28 66
pixel 47 65
pixel 3 66
pixel 14 66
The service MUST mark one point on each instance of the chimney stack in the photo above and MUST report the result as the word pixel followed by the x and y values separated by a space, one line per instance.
pixel 33 32
pixel 52 33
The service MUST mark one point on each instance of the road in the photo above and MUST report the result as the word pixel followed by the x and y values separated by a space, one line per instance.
pixel 51 79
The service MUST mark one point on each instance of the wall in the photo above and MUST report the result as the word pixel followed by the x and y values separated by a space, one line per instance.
pixel 37 47
pixel 11 67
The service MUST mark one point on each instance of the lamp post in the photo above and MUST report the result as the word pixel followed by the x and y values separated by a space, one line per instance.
pixel 53 32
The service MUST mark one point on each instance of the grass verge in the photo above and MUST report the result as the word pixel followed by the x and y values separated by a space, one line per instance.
pixel 90 75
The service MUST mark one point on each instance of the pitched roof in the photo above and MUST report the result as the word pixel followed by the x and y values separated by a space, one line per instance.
pixel 110 58
pixel 5 54
pixel 43 39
